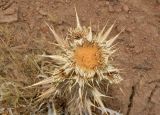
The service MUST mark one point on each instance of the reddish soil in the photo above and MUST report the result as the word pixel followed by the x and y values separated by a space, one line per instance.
pixel 23 23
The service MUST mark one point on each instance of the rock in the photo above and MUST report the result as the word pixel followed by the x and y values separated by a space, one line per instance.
pixel 9 18
pixel 156 95
pixel 107 3
pixel 138 50
pixel 118 8
pixel 139 18
pixel 110 8
pixel 131 45
pixel 130 29
pixel 42 12
pixel 119 28
pixel 10 14
pixel 158 1
pixel 122 18
pixel 143 66
pixel 125 8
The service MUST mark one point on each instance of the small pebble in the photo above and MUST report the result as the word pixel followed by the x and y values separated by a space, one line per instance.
pixel 139 19
pixel 143 66
pixel 110 8
pixel 122 18
pixel 131 45
pixel 137 50
pixel 43 12
pixel 118 8
pixel 107 3
pixel 130 29
pixel 158 1
pixel 125 8
pixel 119 28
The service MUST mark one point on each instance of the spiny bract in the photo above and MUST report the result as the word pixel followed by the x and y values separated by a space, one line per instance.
pixel 79 69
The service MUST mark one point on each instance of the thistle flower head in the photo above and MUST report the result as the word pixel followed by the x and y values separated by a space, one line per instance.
pixel 88 56
pixel 83 63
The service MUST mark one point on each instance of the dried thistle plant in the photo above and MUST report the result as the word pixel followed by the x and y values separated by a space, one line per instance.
pixel 78 71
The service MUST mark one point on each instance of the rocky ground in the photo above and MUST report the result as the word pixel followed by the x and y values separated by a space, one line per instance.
pixel 22 29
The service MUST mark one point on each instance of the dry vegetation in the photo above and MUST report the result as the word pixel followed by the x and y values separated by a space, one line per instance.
pixel 24 36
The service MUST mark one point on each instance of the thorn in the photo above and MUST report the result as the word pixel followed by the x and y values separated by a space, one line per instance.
pixel 58 39
pixel 77 19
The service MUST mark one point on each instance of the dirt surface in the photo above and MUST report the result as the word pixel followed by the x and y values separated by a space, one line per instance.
pixel 23 28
